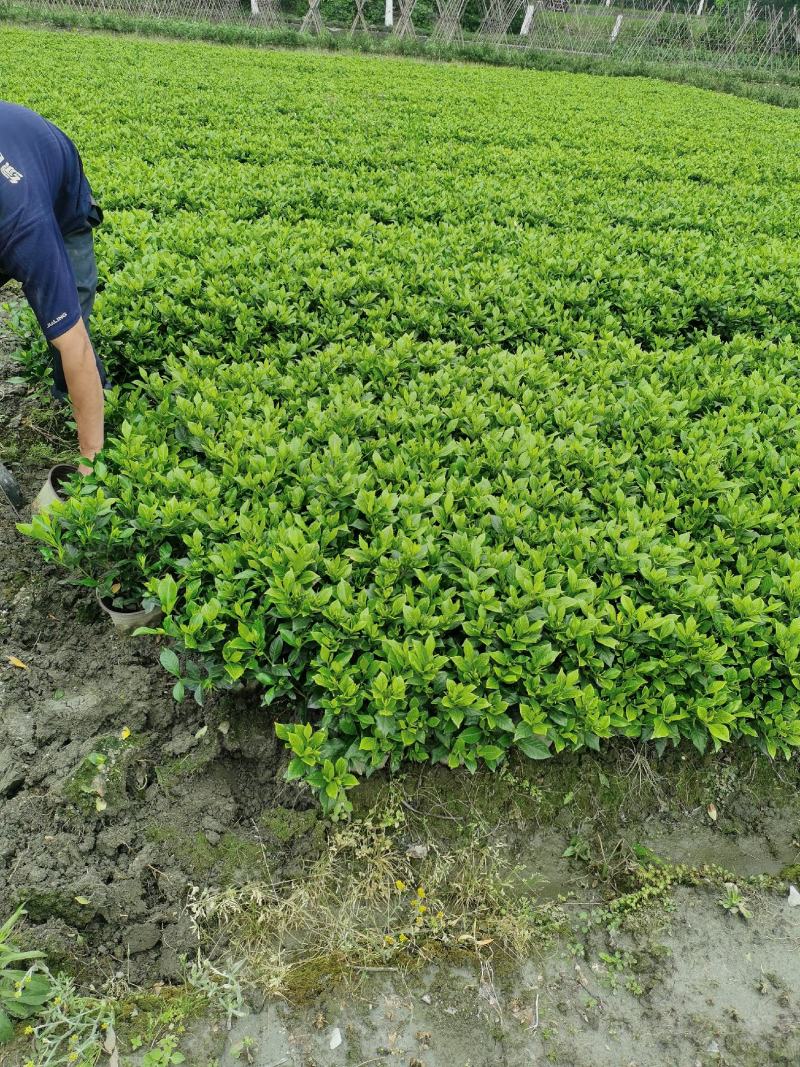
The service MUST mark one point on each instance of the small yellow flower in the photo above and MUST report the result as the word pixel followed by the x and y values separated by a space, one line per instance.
pixel 389 939
pixel 421 893
pixel 124 733
pixel 403 939
pixel 399 886
pixel 28 1030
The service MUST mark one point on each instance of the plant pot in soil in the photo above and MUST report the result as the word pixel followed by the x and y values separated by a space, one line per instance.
pixel 126 620
pixel 51 490
pixel 9 488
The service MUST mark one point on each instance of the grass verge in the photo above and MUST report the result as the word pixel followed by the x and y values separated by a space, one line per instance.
pixel 387 893
pixel 424 875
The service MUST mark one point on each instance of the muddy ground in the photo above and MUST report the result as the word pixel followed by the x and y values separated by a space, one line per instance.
pixel 613 970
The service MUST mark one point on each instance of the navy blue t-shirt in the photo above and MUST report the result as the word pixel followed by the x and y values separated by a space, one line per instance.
pixel 44 196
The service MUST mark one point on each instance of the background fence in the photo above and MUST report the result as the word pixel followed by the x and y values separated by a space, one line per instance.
pixel 737 37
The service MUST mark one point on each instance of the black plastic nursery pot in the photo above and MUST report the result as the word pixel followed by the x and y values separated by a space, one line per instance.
pixel 9 488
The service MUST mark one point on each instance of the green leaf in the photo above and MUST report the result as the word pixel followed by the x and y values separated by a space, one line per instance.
pixel 700 740
pixel 719 730
pixel 534 748
pixel 169 661
pixel 761 667
pixel 471 735
pixel 6 1028
pixel 296 769
pixel 167 593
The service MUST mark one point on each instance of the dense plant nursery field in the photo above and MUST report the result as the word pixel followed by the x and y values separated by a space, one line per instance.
pixel 457 408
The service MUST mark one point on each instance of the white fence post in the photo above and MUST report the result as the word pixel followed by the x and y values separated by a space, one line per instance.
pixel 525 29
pixel 617 28
pixel 700 7
pixel 389 16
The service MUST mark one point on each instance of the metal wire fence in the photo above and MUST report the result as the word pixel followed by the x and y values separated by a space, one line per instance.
pixel 733 37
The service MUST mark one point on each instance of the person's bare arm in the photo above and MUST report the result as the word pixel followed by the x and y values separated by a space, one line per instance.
pixel 85 389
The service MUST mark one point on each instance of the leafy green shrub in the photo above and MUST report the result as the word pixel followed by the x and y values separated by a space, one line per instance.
pixel 23 990
pixel 460 422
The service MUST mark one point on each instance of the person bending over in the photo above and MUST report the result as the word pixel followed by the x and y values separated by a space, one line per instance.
pixel 47 215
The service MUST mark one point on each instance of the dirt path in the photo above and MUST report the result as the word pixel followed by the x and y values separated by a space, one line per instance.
pixel 196 797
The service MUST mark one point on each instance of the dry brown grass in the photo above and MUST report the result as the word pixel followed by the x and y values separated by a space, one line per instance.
pixel 366 903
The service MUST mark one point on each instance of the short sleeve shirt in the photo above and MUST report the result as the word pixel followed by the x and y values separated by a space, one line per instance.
pixel 44 196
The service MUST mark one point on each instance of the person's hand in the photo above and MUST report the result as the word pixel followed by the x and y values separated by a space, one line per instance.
pixel 86 460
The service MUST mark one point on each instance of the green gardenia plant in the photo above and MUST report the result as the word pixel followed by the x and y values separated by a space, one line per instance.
pixel 459 423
